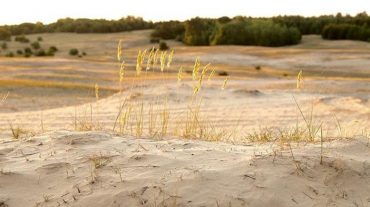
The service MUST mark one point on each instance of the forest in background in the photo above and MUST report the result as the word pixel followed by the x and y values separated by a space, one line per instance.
pixel 239 30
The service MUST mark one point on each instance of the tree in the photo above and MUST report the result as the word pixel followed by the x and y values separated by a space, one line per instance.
pixel 198 31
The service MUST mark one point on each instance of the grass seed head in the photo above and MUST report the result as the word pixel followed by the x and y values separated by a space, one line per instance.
pixel 195 73
pixel 163 60
pixel 180 75
pixel 170 58
pixel 96 91
pixel 300 80
pixel 119 51
pixel 225 83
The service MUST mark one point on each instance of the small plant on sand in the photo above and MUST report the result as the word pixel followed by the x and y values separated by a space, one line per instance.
pixel 17 132
pixel 118 171
pixel 4 46
pixel 73 52
pixel 163 46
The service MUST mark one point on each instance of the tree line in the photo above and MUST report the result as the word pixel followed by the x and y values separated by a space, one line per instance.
pixel 275 31
pixel 77 26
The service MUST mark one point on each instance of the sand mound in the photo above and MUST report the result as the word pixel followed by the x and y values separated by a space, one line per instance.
pixel 98 169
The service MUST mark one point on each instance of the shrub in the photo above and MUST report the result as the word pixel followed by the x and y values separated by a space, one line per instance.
pixel 223 73
pixel 21 39
pixel 19 52
pixel 163 46
pixel 4 46
pixel 73 52
pixel 40 39
pixel 40 53
pixel 50 52
pixel 5 34
pixel 9 54
pixel 257 67
pixel 36 45
pixel 84 53
pixel 53 48
pixel 27 55
pixel 28 51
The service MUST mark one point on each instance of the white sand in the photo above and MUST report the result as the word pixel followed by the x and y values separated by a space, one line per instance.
pixel 55 169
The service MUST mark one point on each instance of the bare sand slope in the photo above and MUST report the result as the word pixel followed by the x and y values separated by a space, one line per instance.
pixel 66 168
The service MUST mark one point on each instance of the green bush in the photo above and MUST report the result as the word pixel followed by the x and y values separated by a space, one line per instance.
pixel 4 46
pixel 163 46
pixel 51 51
pixel 21 39
pixel 36 45
pixel 40 53
pixel 73 52
pixel 19 52
pixel 5 34
pixel 28 51
pixel 40 39
pixel 9 54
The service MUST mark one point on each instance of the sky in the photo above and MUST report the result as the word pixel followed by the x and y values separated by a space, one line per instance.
pixel 47 11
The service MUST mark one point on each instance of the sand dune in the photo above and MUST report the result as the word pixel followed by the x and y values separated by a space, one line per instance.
pixel 66 168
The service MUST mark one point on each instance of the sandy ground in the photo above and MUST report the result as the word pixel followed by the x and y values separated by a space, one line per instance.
pixel 249 104
pixel 66 168
pixel 319 59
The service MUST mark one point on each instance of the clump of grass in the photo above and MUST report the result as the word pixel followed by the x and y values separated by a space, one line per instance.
pixel 263 135
pixel 17 132
pixel 98 161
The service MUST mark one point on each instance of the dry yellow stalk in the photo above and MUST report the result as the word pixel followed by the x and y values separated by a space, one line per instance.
pixel 170 57
pixel 211 75
pixel 155 58
pixel 196 89
pixel 163 60
pixel 122 72
pixel 119 51
pixel 96 91
pixel 196 68
pixel 139 62
pixel 149 62
pixel 225 83
pixel 299 80
pixel 179 75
